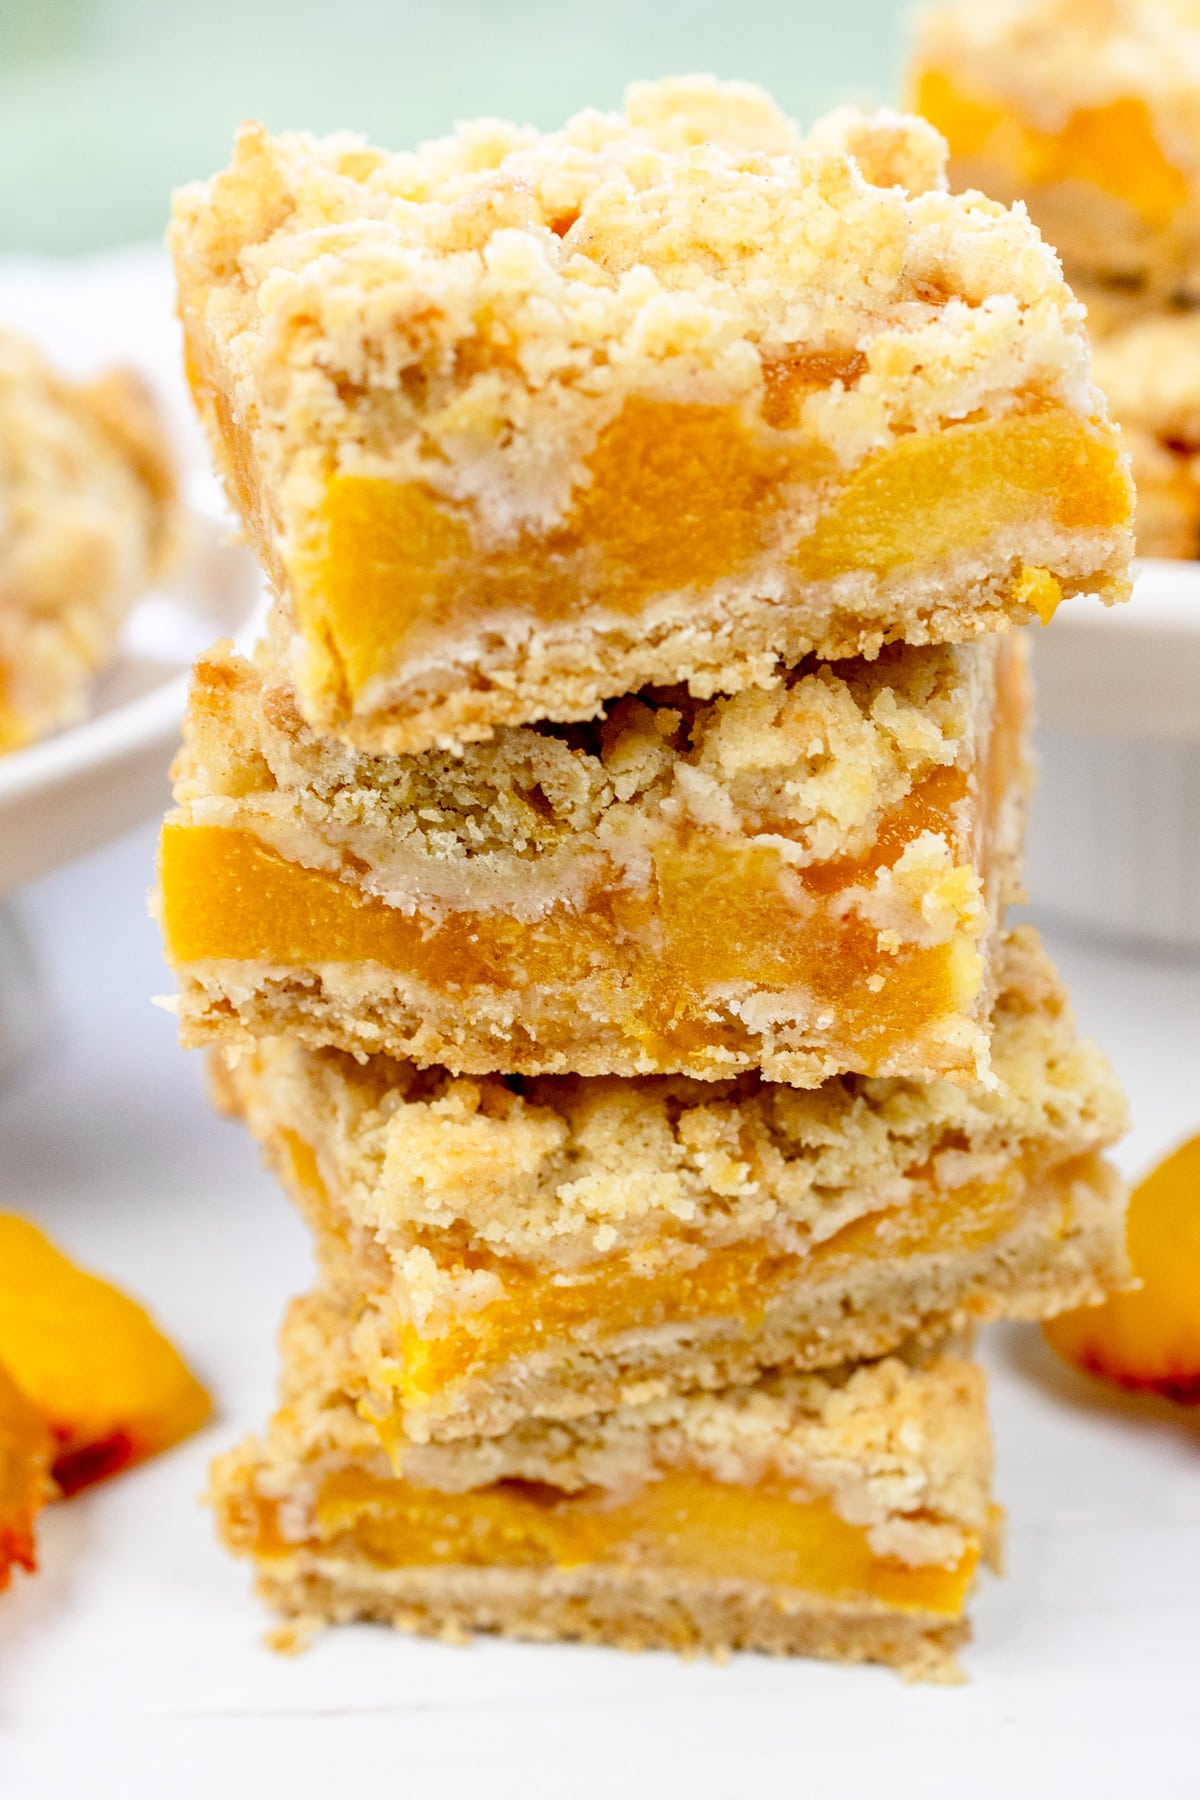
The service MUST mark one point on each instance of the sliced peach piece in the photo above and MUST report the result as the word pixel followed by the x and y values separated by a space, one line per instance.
pixel 110 1386
pixel 1150 1338
pixel 26 1450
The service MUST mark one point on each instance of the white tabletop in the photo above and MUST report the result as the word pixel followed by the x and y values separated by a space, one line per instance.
pixel 132 1665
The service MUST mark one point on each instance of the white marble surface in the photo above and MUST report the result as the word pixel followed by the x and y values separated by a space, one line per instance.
pixel 132 1665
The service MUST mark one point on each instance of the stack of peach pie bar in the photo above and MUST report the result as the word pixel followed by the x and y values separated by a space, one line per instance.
pixel 593 889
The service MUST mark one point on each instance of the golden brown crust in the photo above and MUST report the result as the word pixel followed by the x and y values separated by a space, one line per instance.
pixel 627 1610
pixel 87 519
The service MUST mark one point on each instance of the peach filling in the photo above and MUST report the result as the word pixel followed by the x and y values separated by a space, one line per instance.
pixel 1113 147
pixel 684 1522
pixel 14 732
pixel 679 498
pixel 645 1290
pixel 227 896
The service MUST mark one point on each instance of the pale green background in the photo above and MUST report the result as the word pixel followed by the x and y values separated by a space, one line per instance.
pixel 107 104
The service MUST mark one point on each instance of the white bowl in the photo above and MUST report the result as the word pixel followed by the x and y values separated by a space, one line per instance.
pixel 1114 840
pixel 71 792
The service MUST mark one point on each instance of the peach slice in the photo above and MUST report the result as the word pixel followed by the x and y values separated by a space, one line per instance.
pixel 26 1449
pixel 1150 1338
pixel 108 1384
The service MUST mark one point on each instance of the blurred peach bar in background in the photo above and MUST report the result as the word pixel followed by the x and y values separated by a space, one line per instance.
pixel 87 520
pixel 1089 111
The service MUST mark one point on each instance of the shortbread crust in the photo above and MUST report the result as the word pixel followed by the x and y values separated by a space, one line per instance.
pixel 520 422
pixel 807 879
pixel 87 520
pixel 551 1247
pixel 839 1515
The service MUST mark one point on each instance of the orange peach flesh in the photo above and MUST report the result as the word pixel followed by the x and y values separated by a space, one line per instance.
pixel 682 497
pixel 26 1448
pixel 678 498
pixel 721 915
pixel 110 1386
pixel 1150 1338
pixel 632 1291
pixel 15 729
pixel 685 1523
pixel 1113 147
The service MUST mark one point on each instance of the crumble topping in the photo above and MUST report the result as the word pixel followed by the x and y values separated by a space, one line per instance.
pixel 87 519
pixel 473 313
pixel 811 765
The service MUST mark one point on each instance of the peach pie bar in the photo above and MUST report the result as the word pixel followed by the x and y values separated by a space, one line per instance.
pixel 562 1245
pixel 1150 369
pixel 519 422
pixel 839 1515
pixel 1088 110
pixel 806 878
pixel 86 520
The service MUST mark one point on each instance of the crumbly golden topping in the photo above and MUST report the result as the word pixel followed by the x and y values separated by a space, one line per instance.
pixel 1051 57
pixel 570 1167
pixel 86 520
pixel 473 313
pixel 811 766
pixel 895 1446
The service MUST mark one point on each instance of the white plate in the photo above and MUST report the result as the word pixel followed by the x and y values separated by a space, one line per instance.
pixel 1114 839
pixel 69 793
pixel 1130 671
